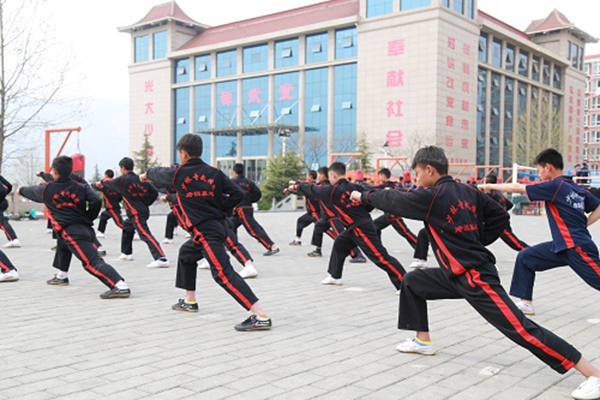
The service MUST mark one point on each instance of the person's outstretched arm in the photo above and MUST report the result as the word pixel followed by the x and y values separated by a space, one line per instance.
pixel 7 184
pixel 161 177
pixel 495 219
pixel 505 187
pixel 414 205
pixel 94 203
pixel 33 193
pixel 320 192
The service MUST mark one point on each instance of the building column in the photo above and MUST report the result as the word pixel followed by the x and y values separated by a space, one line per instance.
pixel 330 112
pixel 271 116
pixel 397 6
pixel 239 116
pixel 239 151
pixel 213 121
pixel 270 145
pixel 213 150
pixel 301 114
pixel 502 120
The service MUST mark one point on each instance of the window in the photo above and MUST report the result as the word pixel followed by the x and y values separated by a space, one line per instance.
pixel 182 70
pixel 483 47
pixel 202 67
pixel 546 73
pixel 557 81
pixel 286 104
pixel 471 9
pixel 255 111
pixel 344 114
pixel 256 58
pixel 316 48
pixel 535 68
pixel 286 53
pixel 160 44
pixel 445 3
pixel 596 70
pixel 497 53
pixel 411 4
pixel 345 43
pixel 142 48
pixel 508 122
pixel 181 113
pixel 595 103
pixel 457 5
pixel 481 116
pixel 315 108
pixel 376 8
pixel 315 144
pixel 510 58
pixel 595 120
pixel 523 63
pixel 227 63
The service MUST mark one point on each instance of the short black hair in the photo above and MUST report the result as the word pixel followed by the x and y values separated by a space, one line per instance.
pixel 491 179
pixel 191 143
pixel 312 173
pixel 238 169
pixel 323 171
pixel 110 173
pixel 386 172
pixel 338 167
pixel 431 155
pixel 63 165
pixel 584 165
pixel 126 163
pixel 549 156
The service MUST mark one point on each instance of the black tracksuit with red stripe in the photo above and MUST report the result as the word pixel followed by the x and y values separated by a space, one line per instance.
pixel 309 217
pixel 72 208
pixel 395 221
pixel 137 197
pixel 112 207
pixel 206 196
pixel 508 236
pixel 243 214
pixel 360 230
pixel 5 189
pixel 174 218
pixel 460 221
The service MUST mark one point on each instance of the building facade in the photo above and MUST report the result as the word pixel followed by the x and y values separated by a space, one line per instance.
pixel 395 74
pixel 591 138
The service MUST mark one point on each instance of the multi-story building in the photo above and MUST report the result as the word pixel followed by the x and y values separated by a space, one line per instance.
pixel 318 79
pixel 591 138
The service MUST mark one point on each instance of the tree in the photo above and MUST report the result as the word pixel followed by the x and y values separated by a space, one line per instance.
pixel 365 161
pixel 282 169
pixel 143 158
pixel 315 149
pixel 97 177
pixel 545 130
pixel 30 83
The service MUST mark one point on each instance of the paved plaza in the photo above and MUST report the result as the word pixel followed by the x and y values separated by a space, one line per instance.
pixel 327 342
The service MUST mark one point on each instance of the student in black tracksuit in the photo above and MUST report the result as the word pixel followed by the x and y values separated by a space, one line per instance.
pixel 137 196
pixel 311 215
pixel 388 219
pixel 206 196
pixel 72 208
pixel 174 217
pixel 460 222
pixel 243 214
pixel 507 235
pixel 5 189
pixel 8 272
pixel 329 223
pixel 112 204
pixel 360 229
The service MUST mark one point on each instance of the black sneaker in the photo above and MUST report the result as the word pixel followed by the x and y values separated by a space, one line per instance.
pixel 271 251
pixel 116 293
pixel 102 253
pixel 358 260
pixel 58 282
pixel 315 253
pixel 253 323
pixel 181 305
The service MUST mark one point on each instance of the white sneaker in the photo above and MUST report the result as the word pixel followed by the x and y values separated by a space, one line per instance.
pixel 167 241
pixel 419 264
pixel 187 235
pixel 203 264
pixel 9 276
pixel 588 390
pixel 13 244
pixel 413 346
pixel 100 235
pixel 48 231
pixel 126 257
pixel 330 280
pixel 249 272
pixel 296 242
pixel 525 308
pixel 158 264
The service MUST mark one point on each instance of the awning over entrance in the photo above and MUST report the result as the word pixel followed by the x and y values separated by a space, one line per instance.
pixel 250 130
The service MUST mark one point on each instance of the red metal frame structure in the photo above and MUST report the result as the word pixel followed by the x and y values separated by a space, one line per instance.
pixel 476 168
pixel 396 161
pixel 49 132
pixel 351 155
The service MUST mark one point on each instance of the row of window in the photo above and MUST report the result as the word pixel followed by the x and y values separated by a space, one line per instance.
pixel 593 103
pixel 593 86
pixel 591 120
pixel 592 154
pixel 376 8
pixel 142 46
pixel 256 58
pixel 575 55
pixel 592 68
pixel 503 55
pixel 591 137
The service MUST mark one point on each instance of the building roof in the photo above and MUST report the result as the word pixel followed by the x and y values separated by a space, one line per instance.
pixel 298 17
pixel 163 12
pixel 557 21
pixel 592 57
pixel 502 24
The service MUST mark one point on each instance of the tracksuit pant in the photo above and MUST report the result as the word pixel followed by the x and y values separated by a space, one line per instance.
pixel 245 216
pixel 236 249
pixel 139 224
pixel 582 259
pixel 481 288
pixel 5 264
pixel 422 247
pixel 332 227
pixel 398 224
pixel 364 235
pixel 512 241
pixel 78 240
pixel 208 241
pixel 305 220
pixel 170 225
pixel 7 228
pixel 106 215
